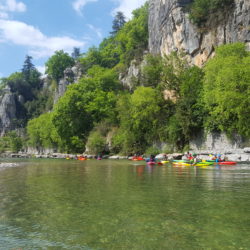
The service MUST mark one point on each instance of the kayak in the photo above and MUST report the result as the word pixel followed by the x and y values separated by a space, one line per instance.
pixel 226 163
pixel 151 162
pixel 82 159
pixel 137 159
pixel 182 164
pixel 204 163
pixel 163 162
pixel 180 161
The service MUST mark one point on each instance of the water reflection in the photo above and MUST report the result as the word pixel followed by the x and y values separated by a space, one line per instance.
pixel 117 205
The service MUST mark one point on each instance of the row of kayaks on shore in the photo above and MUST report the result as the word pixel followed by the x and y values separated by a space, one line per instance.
pixel 188 163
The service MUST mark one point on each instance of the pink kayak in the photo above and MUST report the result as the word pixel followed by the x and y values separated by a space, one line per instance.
pixel 151 163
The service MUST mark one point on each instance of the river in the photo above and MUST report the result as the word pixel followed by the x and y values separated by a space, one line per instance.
pixel 69 204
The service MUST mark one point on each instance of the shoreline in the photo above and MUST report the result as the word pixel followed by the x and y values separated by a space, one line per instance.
pixel 240 158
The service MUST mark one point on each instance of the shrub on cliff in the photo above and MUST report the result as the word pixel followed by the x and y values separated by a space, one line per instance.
pixel 200 10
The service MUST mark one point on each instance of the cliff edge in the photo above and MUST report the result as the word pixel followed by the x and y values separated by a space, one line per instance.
pixel 170 29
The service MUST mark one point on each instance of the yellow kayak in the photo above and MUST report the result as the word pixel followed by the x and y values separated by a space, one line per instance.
pixel 201 164
pixel 163 162
pixel 182 164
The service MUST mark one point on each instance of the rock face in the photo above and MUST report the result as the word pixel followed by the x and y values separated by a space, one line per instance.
pixel 171 30
pixel 7 111
pixel 234 149
pixel 71 75
pixel 132 76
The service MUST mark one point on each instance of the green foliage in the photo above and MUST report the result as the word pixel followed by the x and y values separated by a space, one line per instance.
pixel 152 151
pixel 58 63
pixel 110 52
pixel 128 41
pixel 19 86
pixel 152 71
pixel 139 118
pixel 96 143
pixel 90 101
pixel 184 112
pixel 76 53
pixel 174 66
pixel 133 37
pixel 11 142
pixel 30 73
pixel 189 106
pixel 16 142
pixel 200 10
pixel 118 22
pixel 42 133
pixel 91 58
pixel 227 89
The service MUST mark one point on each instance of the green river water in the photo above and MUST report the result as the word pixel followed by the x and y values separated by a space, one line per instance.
pixel 69 204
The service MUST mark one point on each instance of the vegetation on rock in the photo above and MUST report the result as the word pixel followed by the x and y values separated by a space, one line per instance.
pixel 200 10
pixel 171 102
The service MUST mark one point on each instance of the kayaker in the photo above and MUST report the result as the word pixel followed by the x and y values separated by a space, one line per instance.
pixel 152 158
pixel 165 157
pixel 195 159
pixel 189 156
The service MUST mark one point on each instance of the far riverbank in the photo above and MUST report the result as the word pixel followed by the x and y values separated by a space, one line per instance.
pixel 238 157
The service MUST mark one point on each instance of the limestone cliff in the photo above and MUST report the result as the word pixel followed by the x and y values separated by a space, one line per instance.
pixel 71 75
pixel 7 111
pixel 171 30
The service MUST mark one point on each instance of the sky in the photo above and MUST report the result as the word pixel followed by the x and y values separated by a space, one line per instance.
pixel 38 28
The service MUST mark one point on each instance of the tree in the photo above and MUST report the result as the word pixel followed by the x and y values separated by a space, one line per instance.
pixel 91 100
pixel 227 90
pixel 16 142
pixel 96 143
pixel 118 22
pixel 30 73
pixel 133 37
pixel 91 58
pixel 200 10
pixel 28 66
pixel 42 133
pixel 56 64
pixel 139 119
pixel 76 53
pixel 152 71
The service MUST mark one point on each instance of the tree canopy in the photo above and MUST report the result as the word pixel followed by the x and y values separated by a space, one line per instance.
pixel 57 63
pixel 227 88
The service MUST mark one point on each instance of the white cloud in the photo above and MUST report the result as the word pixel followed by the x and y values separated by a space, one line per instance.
pixel 7 6
pixel 38 44
pixel 96 30
pixel 127 6
pixel 41 69
pixel 79 4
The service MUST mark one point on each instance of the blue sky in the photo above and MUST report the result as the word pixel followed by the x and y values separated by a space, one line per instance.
pixel 40 27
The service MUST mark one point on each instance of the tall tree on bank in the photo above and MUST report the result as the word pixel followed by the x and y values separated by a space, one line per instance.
pixel 118 22
pixel 227 90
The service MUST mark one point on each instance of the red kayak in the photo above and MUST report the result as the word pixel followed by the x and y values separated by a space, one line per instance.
pixel 226 163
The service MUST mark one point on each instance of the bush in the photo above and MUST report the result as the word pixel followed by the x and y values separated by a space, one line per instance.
pixel 201 9
pixel 152 151
pixel 96 143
